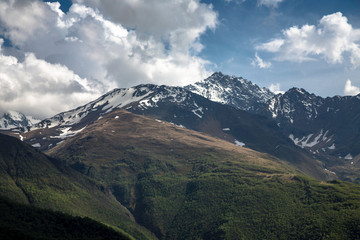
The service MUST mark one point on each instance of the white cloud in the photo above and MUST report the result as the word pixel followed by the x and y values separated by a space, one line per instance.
pixel 24 18
pixel 275 88
pixel 259 62
pixel 350 89
pixel 111 43
pixel 271 46
pixel 179 23
pixel 269 3
pixel 331 40
pixel 39 88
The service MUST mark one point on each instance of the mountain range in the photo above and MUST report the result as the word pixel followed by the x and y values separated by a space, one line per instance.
pixel 218 159
pixel 323 126
pixel 143 175
pixel 300 127
pixel 183 108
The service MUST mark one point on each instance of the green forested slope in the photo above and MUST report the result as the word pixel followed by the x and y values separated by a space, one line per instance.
pixel 20 222
pixel 28 176
pixel 185 185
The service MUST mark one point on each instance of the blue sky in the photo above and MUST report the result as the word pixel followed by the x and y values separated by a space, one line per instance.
pixel 57 55
pixel 244 25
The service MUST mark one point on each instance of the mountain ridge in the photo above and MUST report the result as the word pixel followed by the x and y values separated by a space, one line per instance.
pixel 312 123
pixel 183 108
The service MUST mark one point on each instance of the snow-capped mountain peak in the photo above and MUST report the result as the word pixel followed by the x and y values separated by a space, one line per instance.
pixel 16 116
pixel 294 104
pixel 13 119
pixel 235 91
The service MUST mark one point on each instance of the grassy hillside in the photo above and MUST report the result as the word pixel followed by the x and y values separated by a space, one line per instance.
pixel 18 221
pixel 181 184
pixel 222 121
pixel 28 176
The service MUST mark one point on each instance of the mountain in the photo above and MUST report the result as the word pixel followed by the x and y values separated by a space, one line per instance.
pixel 183 108
pixel 18 221
pixel 234 91
pixel 325 149
pixel 326 127
pixel 49 132
pixel 146 175
pixel 301 114
pixel 13 119
pixel 182 184
pixel 29 177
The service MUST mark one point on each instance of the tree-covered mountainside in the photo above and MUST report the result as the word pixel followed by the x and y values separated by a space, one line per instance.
pixel 28 176
pixel 25 222
pixel 182 184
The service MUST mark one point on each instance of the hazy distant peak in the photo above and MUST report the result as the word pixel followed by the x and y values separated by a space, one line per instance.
pixel 13 119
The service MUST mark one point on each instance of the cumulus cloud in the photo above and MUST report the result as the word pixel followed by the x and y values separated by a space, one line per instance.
pixel 269 3
pixel 111 43
pixel 178 24
pixel 331 39
pixel 350 89
pixel 39 88
pixel 272 46
pixel 259 62
pixel 275 88
pixel 22 18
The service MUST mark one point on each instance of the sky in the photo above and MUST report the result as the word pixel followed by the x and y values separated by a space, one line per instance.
pixel 57 55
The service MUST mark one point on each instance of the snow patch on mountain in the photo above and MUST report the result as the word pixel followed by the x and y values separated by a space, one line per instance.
pixel 332 147
pixel 240 144
pixel 198 112
pixel 37 145
pixel 178 125
pixel 272 107
pixel 310 140
pixel 66 133
pixel 327 170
